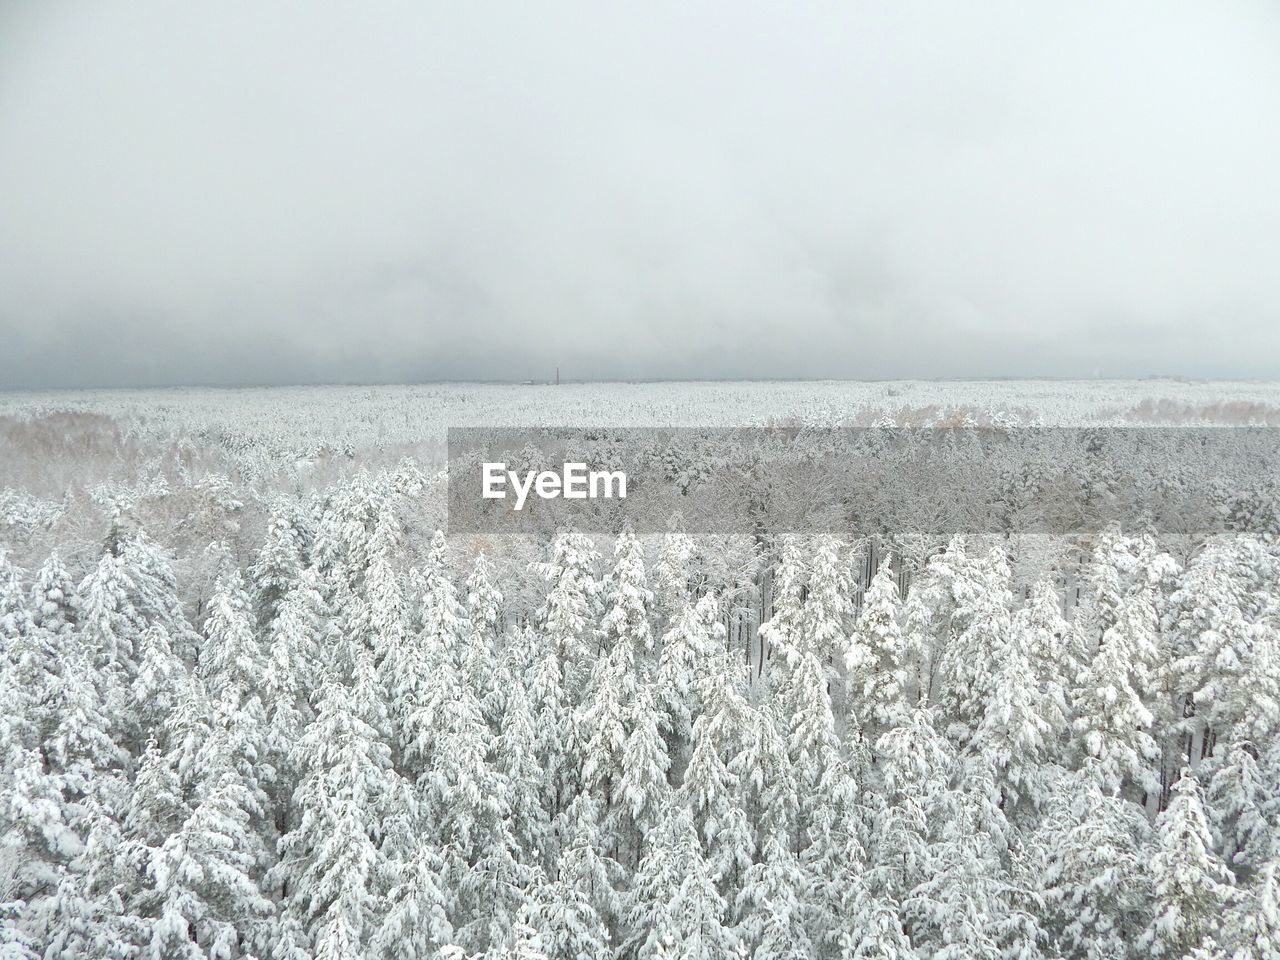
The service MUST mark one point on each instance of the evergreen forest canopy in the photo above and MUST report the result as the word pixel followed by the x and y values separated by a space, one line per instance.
pixel 290 719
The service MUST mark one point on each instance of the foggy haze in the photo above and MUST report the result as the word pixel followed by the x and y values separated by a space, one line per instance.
pixel 244 193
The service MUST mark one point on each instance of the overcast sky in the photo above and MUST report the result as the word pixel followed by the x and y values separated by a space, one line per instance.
pixel 279 193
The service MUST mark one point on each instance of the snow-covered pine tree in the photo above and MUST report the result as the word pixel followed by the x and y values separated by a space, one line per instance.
pixel 567 924
pixel 1238 798
pixel 484 605
pixel 969 905
pixel 553 725
pixel 150 573
pixel 643 786
pixel 931 618
pixel 872 930
pixel 484 600
pixel 233 670
pixel 876 661
pixel 1107 579
pixel 27 665
pixel 713 793
pixel 773 907
pixel 415 922
pixel 822 627
pixel 31 645
pixel 627 601
pixel 279 562
pixel 293 670
pixel 525 944
pixel 1013 733
pixel 672 575
pixel 603 720
pixel 384 603
pixel 693 647
pixel 1192 887
pixel 979 630
pixel 1209 636
pixel 110 626
pixel 1095 884
pixel 779 633
pixel 437 709
pixel 1112 722
pixel 812 743
pixel 82 750
pixel 332 866
pixel 160 680
pixel 204 875
pixel 1252 927
pixel 521 779
pixel 53 597
pixel 37 843
pixel 567 617
pixel 835 860
pixel 676 910
pixel 592 878
pixel 84 916
pixel 762 765
pixel 1046 637
pixel 1252 710
pixel 232 663
pixel 915 769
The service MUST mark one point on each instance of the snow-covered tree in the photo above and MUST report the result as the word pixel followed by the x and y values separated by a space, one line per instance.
pixel 484 605
pixel 53 597
pixel 690 649
pixel 812 743
pixel 969 904
pixel 780 633
pixel 332 866
pixel 1239 795
pixel 602 721
pixel 1013 733
pixel 916 767
pixel 627 600
pixel 876 660
pixel 643 787
pixel 1252 927
pixel 203 875
pixel 1107 579
pixel 279 561
pixel 1095 882
pixel 1112 722
pixel 293 670
pixel 37 841
pixel 676 909
pixel 672 574
pixel 773 907
pixel 567 617
pixel 1192 887
pixel 522 780
pixel 1045 635
pixel 712 793
pixel 567 923
pixel 762 765
pixel 233 663
pixel 824 619
pixel 415 923
pixel 980 626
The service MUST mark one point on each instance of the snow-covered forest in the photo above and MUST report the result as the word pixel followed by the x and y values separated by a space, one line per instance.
pixel 255 704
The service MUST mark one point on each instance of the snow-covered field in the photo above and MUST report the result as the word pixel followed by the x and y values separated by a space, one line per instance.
pixel 304 419
pixel 254 705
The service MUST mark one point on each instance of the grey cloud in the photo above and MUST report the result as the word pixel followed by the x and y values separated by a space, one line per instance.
pixel 256 193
